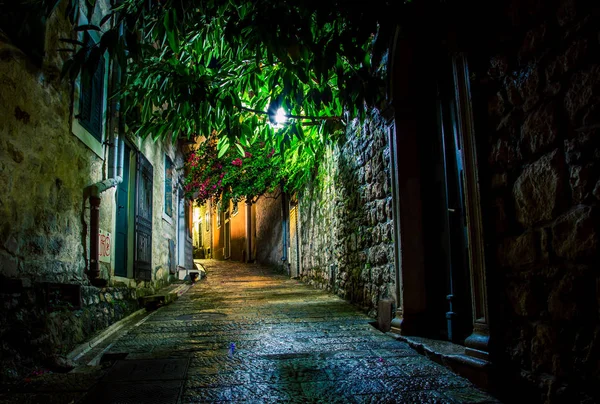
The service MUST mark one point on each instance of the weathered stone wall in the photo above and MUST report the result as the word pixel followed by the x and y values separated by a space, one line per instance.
pixel 268 230
pixel 44 216
pixel 537 121
pixel 36 334
pixel 346 227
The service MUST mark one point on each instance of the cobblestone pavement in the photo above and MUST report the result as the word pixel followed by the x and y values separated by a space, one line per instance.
pixel 245 334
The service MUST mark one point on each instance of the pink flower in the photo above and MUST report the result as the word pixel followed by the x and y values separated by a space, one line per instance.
pixel 248 155
pixel 237 162
pixel 271 153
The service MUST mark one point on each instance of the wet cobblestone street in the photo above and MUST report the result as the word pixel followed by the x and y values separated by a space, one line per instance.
pixel 292 343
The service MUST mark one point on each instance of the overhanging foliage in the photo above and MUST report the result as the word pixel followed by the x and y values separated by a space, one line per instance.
pixel 203 66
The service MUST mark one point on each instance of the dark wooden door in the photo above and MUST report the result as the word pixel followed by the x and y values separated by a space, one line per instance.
pixel 459 319
pixel 143 219
pixel 122 225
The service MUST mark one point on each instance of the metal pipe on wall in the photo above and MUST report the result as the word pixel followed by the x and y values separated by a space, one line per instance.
pixel 94 272
pixel 284 225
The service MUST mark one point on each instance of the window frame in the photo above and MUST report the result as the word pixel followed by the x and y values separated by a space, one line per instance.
pixel 168 193
pixel 77 128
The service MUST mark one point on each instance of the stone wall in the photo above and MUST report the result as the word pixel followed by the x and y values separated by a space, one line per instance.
pixel 537 119
pixel 345 221
pixel 44 216
pixel 50 331
pixel 268 248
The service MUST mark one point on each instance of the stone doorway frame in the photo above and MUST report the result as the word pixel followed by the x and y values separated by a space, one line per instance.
pixel 411 298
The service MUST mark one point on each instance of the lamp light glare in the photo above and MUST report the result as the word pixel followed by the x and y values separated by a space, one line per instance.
pixel 280 117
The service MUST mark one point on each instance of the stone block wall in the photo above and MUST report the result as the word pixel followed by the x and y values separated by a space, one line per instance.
pixel 45 217
pixel 268 247
pixel 537 118
pixel 40 335
pixel 345 220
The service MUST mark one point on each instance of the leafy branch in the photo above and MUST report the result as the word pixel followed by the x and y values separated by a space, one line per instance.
pixel 198 67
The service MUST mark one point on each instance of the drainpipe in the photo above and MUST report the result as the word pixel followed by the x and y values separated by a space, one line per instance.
pixel 115 174
pixel 284 225
pixel 248 230
pixel 94 272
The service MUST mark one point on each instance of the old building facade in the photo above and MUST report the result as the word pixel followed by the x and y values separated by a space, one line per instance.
pixel 92 217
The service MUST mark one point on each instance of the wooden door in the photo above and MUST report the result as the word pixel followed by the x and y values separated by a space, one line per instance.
pixel 143 219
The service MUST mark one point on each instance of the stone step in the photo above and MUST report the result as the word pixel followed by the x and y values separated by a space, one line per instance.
pixel 153 302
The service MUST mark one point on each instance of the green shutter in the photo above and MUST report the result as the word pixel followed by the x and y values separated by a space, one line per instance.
pixel 168 186
pixel 91 98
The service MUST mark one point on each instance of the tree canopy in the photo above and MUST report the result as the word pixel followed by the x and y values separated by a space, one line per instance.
pixel 205 67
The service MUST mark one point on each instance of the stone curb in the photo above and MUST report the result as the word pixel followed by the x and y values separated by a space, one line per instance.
pixel 452 357
pixel 87 346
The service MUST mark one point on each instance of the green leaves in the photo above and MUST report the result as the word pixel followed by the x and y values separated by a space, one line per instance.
pixel 171 31
pixel 229 176
pixel 223 69
pixel 223 146
pixel 240 149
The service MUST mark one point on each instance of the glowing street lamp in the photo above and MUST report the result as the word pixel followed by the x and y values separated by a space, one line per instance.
pixel 280 117
pixel 277 118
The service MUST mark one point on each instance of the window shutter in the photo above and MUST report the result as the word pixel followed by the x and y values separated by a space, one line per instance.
pixel 168 186
pixel 91 98
pixel 97 100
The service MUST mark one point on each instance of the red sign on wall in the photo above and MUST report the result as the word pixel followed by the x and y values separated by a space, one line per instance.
pixel 104 246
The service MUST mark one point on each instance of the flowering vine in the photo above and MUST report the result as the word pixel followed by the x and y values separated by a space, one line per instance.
pixel 240 173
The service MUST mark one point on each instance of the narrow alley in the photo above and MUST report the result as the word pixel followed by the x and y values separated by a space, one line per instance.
pixel 292 343
pixel 392 201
